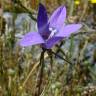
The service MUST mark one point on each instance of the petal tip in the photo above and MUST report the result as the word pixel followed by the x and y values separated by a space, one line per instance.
pixel 41 6
pixel 79 25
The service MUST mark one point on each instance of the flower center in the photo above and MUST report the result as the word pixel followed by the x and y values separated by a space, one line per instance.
pixel 53 32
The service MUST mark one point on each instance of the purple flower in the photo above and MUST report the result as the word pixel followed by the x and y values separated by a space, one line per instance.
pixel 50 31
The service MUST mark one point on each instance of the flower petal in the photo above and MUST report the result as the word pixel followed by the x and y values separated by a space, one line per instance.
pixel 31 38
pixel 51 42
pixel 58 17
pixel 42 21
pixel 67 30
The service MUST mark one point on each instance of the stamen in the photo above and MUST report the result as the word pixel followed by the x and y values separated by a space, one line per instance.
pixel 50 29
pixel 53 32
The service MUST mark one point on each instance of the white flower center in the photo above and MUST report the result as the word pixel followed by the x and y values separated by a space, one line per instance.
pixel 53 32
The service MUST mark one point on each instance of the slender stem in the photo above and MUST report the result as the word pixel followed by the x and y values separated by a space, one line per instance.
pixel 61 57
pixel 32 17
pixel 51 60
pixel 30 73
pixel 39 82
pixel 59 49
pixel 20 4
pixel 71 8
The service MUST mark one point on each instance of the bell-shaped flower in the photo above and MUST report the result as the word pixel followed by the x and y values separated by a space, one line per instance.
pixel 51 31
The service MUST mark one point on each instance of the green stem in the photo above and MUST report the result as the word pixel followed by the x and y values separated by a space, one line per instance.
pixel 60 50
pixel 61 57
pixel 51 60
pixel 39 82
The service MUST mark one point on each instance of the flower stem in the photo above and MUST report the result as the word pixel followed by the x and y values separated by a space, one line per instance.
pixel 61 57
pixel 39 81
pixel 30 73
pixel 60 50
pixel 51 60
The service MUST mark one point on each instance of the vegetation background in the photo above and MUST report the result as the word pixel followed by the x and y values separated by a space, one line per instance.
pixel 19 67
